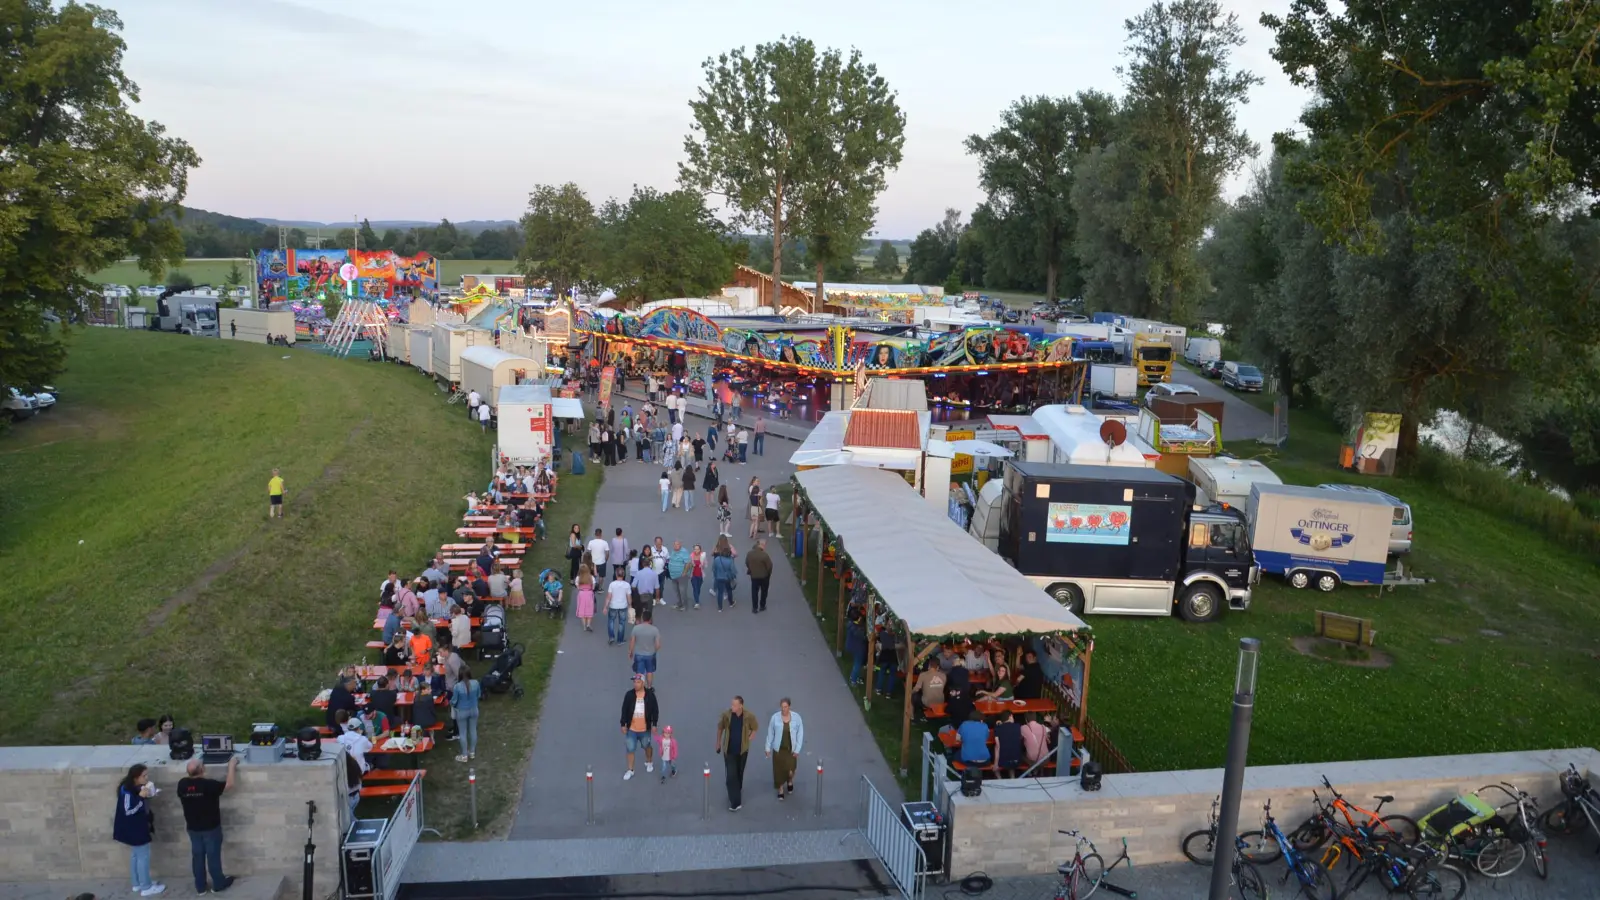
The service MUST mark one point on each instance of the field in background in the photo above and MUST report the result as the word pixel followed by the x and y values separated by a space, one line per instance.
pixel 135 519
pixel 203 271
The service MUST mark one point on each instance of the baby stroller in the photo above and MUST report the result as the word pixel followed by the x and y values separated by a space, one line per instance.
pixel 492 633
pixel 552 608
pixel 499 679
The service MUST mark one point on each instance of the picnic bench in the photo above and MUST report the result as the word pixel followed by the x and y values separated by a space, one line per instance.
pixel 468 548
pixel 1344 629
pixel 509 562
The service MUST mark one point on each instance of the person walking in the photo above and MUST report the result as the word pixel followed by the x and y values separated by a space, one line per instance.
pixel 697 572
pixel 646 584
pixel 473 400
pixel 599 551
pixel 735 728
pixel 758 565
pixel 135 826
pixel 201 798
pixel 574 550
pixel 640 713
pixel 483 417
pixel 743 437
pixel 643 646
pixel 688 487
pixel 464 706
pixel 710 482
pixel 711 437
pixel 760 443
pixel 619 551
pixel 723 575
pixel 618 596
pixel 678 575
pixel 585 587
pixel 786 736
pixel 275 496
pixel 724 513
pixel 666 489
pixel 755 501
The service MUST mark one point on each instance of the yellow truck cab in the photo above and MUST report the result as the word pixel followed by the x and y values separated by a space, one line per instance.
pixel 1152 357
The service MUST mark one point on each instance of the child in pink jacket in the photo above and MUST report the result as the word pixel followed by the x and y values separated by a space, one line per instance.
pixel 669 754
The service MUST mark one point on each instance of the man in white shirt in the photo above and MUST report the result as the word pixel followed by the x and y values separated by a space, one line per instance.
pixel 672 408
pixel 483 417
pixel 527 482
pixel 599 550
pixel 618 597
pixel 677 430
pixel 473 399
pixel 744 446
pixel 773 501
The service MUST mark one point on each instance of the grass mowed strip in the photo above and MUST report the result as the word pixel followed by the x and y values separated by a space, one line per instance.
pixel 203 271
pixel 182 596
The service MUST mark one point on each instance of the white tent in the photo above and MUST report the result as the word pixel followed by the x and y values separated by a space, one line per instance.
pixel 935 577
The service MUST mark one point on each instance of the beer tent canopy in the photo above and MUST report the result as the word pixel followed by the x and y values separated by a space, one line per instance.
pixel 933 576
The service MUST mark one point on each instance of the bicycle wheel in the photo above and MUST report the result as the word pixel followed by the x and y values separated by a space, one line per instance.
pixel 1438 883
pixel 1500 857
pixel 1403 829
pixel 1541 862
pixel 1247 881
pixel 1311 834
pixel 1259 849
pixel 1200 847
pixel 1315 882
pixel 1563 819
pixel 1091 870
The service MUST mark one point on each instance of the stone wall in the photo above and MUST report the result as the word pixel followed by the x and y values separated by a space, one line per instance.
pixel 57 804
pixel 1011 829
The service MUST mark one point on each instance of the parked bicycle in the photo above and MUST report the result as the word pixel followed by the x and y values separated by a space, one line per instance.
pixel 1081 874
pixel 1580 808
pixel 1201 846
pixel 1314 832
pixel 1270 843
pixel 1520 814
pixel 1418 872
pixel 1470 829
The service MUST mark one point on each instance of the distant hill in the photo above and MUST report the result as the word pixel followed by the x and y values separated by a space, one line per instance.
pixel 471 226
pixel 195 218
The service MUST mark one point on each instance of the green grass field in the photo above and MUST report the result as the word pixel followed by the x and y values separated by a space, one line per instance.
pixel 1502 653
pixel 135 518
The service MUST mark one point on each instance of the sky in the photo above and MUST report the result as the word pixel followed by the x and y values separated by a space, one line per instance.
pixel 325 110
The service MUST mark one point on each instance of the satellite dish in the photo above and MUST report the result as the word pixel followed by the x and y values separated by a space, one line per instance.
pixel 1113 432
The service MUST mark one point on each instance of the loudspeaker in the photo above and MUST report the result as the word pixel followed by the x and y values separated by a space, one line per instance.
pixel 1089 779
pixel 971 782
pixel 181 742
pixel 308 743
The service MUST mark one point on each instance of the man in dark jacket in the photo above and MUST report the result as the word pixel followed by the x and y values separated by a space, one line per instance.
pixel 639 717
pixel 341 697
pixel 759 566
pixel 1030 680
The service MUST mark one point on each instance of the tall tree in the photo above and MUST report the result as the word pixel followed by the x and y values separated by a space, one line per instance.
pixel 1026 167
pixel 558 236
pixel 858 142
pixel 345 238
pixel 933 251
pixel 368 238
pixel 758 124
pixel 84 181
pixel 663 245
pixel 887 261
pixel 390 240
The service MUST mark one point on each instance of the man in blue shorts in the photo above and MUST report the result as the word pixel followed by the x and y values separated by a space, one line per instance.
pixel 639 717
pixel 643 645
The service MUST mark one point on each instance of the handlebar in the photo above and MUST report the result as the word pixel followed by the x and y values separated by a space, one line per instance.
pixel 1330 787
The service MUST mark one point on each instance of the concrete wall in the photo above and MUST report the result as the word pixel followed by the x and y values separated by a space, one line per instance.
pixel 57 803
pixel 1011 828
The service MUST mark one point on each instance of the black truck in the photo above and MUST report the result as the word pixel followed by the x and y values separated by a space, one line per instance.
pixel 1119 539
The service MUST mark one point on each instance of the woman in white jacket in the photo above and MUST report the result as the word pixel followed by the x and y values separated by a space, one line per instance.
pixel 786 736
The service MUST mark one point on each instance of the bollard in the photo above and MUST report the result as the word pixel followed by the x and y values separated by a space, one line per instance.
pixel 705 803
pixel 588 777
pixel 472 788
pixel 817 811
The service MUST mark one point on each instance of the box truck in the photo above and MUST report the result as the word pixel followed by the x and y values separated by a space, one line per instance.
pixel 1318 537
pixel 187 314
pixel 1113 382
pixel 1152 358
pixel 1199 350
pixel 1104 539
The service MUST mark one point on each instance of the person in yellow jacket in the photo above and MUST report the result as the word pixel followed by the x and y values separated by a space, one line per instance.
pixel 275 496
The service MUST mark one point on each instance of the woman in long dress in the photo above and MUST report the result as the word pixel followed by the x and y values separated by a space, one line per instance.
pixel 585 585
pixel 785 739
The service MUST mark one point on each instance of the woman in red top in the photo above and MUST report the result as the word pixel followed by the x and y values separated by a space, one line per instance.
pixel 697 572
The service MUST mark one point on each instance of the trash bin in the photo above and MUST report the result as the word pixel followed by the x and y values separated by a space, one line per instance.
pixel 929 827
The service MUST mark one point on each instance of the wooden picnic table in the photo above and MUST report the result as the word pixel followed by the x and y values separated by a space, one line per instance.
pixel 996 707
pixel 440 623
pixel 468 548
pixel 484 531
pixel 404 698
pixel 511 562
pixel 422 746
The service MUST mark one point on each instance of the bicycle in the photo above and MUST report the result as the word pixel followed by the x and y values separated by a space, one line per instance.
pixel 1315 882
pixel 1581 806
pixel 1081 874
pixel 1523 827
pixel 1313 833
pixel 1201 846
pixel 1417 872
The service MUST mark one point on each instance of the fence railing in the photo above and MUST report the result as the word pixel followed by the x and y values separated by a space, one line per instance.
pixel 893 843
pixel 1102 750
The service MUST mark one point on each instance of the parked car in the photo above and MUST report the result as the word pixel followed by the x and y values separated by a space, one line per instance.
pixel 1399 525
pixel 1170 389
pixel 1011 315
pixel 43 400
pixel 17 405
pixel 1241 377
pixel 1211 368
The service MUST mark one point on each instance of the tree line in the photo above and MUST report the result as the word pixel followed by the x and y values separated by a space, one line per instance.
pixel 213 235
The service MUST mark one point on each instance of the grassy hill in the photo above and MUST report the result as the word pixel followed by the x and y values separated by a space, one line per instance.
pixel 151 581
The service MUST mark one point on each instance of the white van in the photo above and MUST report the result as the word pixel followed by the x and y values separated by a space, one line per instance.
pixel 1400 525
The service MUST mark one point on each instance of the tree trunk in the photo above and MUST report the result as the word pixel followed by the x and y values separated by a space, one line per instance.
pixel 1410 417
pixel 817 304
pixel 777 251
pixel 1050 281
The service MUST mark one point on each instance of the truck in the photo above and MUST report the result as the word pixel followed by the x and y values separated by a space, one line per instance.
pixel 1129 541
pixel 1151 354
pixel 1199 350
pixel 1313 536
pixel 1113 382
pixel 187 314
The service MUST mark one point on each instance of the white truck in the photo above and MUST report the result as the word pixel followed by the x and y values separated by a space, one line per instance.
pixel 187 314
pixel 1314 536
pixel 1199 350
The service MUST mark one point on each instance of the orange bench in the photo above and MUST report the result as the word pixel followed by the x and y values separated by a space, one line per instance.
pixel 393 774
pixel 385 790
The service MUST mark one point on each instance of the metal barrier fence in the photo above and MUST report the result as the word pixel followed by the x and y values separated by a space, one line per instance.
pixel 892 842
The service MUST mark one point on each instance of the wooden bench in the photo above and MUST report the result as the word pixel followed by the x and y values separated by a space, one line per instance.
pixel 393 774
pixel 376 645
pixel 1344 629
pixel 385 790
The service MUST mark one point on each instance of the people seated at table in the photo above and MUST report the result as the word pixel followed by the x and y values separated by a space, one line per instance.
pixel 391 623
pixel 435 604
pixel 999 689
pixel 1008 753
pixel 462 594
pixel 472 502
pixel 507 525
pixel 352 738
pixel 928 690
pixel 499 583
pixel 1035 742
pixel 949 659
pixel 398 653
pixel 436 573
pixel 460 627
pixel 342 699
pixel 973 740
pixel 957 696
pixel 450 659
pixel 976 658
pixel 384 697
pixel 1030 677
pixel 406 601
pixel 405 680
pixel 421 643
pixel 376 723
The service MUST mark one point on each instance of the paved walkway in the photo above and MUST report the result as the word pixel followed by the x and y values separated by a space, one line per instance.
pixel 706 658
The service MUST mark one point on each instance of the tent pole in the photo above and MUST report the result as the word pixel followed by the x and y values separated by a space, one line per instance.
pixel 872 654
pixel 1083 695
pixel 905 724
pixel 801 537
pixel 822 541
pixel 838 643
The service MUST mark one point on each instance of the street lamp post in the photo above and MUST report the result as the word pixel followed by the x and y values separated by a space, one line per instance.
pixel 1244 699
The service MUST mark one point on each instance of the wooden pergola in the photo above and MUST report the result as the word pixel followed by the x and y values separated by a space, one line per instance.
pixel 935 580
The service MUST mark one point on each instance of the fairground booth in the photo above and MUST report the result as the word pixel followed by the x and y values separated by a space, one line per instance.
pixel 809 369
pixel 926 585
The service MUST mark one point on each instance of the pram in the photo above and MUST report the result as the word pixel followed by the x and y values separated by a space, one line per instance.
pixel 545 604
pixel 492 632
pixel 500 678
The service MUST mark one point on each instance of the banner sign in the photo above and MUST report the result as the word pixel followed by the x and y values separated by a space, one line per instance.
pixel 608 379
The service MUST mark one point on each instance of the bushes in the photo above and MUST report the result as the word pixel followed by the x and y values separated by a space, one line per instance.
pixel 1492 489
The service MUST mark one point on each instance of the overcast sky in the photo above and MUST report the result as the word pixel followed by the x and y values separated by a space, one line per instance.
pixel 420 109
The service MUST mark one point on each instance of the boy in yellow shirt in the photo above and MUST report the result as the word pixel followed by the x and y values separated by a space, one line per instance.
pixel 275 496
